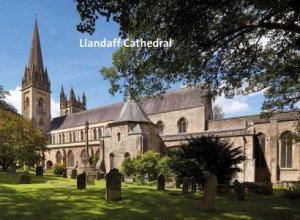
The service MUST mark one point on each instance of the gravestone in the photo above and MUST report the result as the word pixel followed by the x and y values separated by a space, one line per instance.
pixel 74 174
pixel 193 184
pixel 90 179
pixel 25 178
pixel 239 190
pixel 113 185
pixel 39 171
pixel 161 181
pixel 65 173
pixel 210 192
pixel 185 185
pixel 81 181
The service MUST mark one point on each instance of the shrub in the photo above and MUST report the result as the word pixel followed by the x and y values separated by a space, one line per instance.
pixel 293 192
pixel 59 168
pixel 128 167
pixel 146 165
pixel 164 166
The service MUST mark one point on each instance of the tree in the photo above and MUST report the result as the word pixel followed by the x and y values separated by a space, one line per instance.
pixel 218 112
pixel 128 167
pixel 146 165
pixel 202 156
pixel 19 140
pixel 3 104
pixel 231 46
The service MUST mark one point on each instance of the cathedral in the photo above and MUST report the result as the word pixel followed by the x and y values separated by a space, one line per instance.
pixel 113 132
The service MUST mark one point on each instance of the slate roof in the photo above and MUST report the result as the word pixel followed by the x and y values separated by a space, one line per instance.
pixel 184 98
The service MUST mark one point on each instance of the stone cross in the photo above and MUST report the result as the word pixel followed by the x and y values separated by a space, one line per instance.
pixel 161 181
pixel 81 181
pixel 239 190
pixel 210 192
pixel 193 184
pixel 185 185
pixel 74 174
pixel 39 171
pixel 113 185
pixel 25 178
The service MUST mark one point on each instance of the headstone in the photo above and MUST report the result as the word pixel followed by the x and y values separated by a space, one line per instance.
pixel 193 184
pixel 161 181
pixel 39 171
pixel 90 179
pixel 210 192
pixel 74 174
pixel 25 178
pixel 239 190
pixel 81 181
pixel 65 173
pixel 185 185
pixel 113 185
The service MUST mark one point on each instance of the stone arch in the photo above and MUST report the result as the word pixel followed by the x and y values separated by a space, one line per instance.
pixel 58 157
pixel 182 125
pixel 94 134
pixel 286 149
pixel 70 159
pixel 161 127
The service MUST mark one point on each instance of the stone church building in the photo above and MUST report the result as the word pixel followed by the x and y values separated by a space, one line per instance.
pixel 114 132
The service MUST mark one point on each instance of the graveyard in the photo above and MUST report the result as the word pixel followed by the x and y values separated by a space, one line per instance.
pixel 54 197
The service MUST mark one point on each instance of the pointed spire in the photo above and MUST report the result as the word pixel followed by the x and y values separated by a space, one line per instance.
pixel 72 94
pixel 62 92
pixel 84 100
pixel 35 59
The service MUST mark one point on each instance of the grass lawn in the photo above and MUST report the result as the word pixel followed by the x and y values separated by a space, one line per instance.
pixel 52 197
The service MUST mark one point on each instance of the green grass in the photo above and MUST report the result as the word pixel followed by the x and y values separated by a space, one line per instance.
pixel 52 197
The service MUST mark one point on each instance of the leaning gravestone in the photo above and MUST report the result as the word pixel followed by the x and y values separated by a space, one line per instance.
pixel 74 174
pixel 39 171
pixel 185 185
pixel 239 190
pixel 25 178
pixel 193 184
pixel 90 179
pixel 81 181
pixel 113 185
pixel 161 181
pixel 64 174
pixel 210 192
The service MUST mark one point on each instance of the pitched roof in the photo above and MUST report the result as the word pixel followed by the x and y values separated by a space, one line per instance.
pixel 175 100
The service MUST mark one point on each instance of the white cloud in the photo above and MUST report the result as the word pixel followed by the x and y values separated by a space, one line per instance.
pixel 238 104
pixel 15 99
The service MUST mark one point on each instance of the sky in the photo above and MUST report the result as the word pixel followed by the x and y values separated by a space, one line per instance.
pixel 69 64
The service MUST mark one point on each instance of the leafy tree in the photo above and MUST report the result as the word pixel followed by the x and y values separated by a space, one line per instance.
pixel 128 167
pixel 218 112
pixel 146 164
pixel 231 45
pixel 3 104
pixel 207 155
pixel 19 140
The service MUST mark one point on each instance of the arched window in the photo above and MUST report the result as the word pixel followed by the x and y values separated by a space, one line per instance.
pixel 99 133
pixel 74 136
pixel 41 102
pixel 70 159
pixel 63 138
pixel 119 137
pixel 27 103
pixel 58 157
pixel 81 135
pixel 286 149
pixel 94 134
pixel 59 138
pixel 260 148
pixel 112 160
pixel 127 155
pixel 52 139
pixel 182 124
pixel 160 126
pixel 70 137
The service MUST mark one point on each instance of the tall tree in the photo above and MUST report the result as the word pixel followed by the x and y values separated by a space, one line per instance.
pixel 218 112
pixel 3 104
pixel 19 140
pixel 234 46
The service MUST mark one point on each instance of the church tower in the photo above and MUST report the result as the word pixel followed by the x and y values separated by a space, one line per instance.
pixel 71 105
pixel 36 87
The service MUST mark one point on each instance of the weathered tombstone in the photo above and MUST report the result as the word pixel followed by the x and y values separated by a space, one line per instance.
pixel 161 181
pixel 185 185
pixel 81 181
pixel 113 185
pixel 239 190
pixel 25 178
pixel 74 174
pixel 64 174
pixel 193 184
pixel 39 171
pixel 90 179
pixel 210 192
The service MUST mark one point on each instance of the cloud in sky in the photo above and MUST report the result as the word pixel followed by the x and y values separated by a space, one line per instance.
pixel 15 99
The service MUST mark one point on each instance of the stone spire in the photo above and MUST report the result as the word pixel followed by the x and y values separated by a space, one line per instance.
pixel 83 100
pixel 72 95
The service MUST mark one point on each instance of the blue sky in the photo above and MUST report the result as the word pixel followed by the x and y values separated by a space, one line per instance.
pixel 67 63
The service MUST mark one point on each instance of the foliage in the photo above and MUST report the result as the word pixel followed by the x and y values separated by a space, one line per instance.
pixel 218 112
pixel 164 166
pixel 93 160
pixel 128 167
pixel 146 165
pixel 207 155
pixel 293 192
pixel 19 140
pixel 59 168
pixel 233 46
pixel 3 104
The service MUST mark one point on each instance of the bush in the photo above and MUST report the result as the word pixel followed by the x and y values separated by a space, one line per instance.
pixel 146 165
pixel 164 166
pixel 59 168
pixel 293 192
pixel 128 167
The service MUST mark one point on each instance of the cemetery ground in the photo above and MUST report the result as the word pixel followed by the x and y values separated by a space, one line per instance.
pixel 52 197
